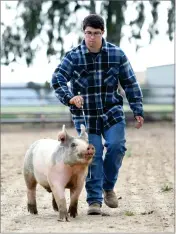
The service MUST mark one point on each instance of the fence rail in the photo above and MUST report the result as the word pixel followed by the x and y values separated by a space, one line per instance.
pixel 23 108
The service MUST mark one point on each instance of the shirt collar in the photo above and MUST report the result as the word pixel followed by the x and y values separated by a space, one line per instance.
pixel 85 49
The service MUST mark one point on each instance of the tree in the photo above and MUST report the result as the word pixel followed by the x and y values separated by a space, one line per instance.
pixel 43 24
pixel 38 23
pixel 36 87
pixel 115 20
pixel 42 90
pixel 47 88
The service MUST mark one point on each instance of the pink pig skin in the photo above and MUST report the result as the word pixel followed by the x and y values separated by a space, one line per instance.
pixel 57 165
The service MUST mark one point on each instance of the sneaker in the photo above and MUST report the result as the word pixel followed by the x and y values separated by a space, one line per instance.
pixel 110 198
pixel 94 209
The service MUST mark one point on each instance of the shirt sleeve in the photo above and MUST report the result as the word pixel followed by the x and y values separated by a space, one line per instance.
pixel 130 85
pixel 61 77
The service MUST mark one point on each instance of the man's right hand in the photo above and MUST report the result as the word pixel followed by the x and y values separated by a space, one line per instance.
pixel 78 101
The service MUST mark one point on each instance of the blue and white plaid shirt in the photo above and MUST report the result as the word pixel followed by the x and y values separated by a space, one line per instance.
pixel 96 80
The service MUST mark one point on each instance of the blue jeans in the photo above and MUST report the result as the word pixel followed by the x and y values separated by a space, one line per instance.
pixel 103 171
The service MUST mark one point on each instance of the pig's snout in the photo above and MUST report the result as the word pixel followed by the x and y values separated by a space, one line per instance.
pixel 90 150
pixel 87 154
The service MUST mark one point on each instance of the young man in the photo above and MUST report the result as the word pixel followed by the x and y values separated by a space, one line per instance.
pixel 94 69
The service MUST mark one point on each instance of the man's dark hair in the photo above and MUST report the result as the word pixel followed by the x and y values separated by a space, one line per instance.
pixel 94 21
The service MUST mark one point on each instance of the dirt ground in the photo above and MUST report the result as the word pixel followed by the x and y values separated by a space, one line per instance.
pixel 145 205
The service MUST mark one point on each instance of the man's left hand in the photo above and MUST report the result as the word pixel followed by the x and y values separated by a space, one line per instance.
pixel 140 121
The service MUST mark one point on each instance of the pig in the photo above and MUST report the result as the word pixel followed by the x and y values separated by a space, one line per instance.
pixel 57 165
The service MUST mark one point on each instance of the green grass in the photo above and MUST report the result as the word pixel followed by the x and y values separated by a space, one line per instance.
pixel 166 188
pixel 129 213
pixel 128 152
pixel 157 108
pixel 62 108
pixel 9 116
pixel 33 109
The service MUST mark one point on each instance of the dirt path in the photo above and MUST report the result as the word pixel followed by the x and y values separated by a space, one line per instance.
pixel 147 168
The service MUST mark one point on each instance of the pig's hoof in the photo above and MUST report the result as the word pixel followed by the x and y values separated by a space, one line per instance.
pixel 32 208
pixel 55 207
pixel 63 215
pixel 73 211
pixel 62 220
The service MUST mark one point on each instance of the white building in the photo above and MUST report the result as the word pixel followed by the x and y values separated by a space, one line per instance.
pixel 160 80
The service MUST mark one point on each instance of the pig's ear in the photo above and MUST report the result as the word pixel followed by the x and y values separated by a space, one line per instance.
pixel 63 135
pixel 83 133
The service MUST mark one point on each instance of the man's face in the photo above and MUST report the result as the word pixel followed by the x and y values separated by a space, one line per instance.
pixel 93 37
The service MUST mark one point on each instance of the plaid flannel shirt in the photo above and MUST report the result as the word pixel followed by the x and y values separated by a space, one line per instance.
pixel 96 80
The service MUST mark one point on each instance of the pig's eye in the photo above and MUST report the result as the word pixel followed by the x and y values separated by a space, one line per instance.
pixel 73 145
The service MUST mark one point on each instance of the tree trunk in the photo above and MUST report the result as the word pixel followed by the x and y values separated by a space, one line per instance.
pixel 92 7
pixel 115 21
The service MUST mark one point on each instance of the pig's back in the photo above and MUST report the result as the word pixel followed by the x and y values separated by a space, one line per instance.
pixel 46 147
pixel 38 159
pixel 39 156
pixel 43 152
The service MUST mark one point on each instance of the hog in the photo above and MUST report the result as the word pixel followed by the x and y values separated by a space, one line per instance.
pixel 57 165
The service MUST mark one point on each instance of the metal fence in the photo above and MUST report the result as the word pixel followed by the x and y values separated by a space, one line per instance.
pixel 22 105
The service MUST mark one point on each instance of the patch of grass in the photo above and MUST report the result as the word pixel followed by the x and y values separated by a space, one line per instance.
pixel 129 213
pixel 128 152
pixel 8 116
pixel 61 108
pixel 166 188
pixel 33 109
pixel 155 107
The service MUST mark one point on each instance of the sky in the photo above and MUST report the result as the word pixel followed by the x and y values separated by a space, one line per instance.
pixel 159 52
